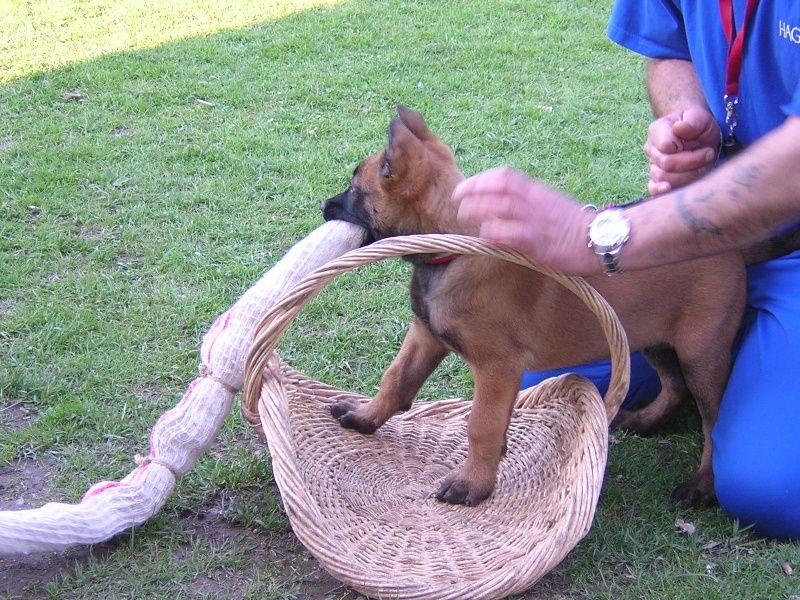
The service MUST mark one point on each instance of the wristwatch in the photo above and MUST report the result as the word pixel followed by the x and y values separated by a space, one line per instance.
pixel 608 232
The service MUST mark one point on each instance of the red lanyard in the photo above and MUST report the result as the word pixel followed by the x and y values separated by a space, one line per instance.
pixel 735 43
pixel 733 67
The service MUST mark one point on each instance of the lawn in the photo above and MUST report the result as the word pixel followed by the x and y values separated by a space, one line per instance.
pixel 156 158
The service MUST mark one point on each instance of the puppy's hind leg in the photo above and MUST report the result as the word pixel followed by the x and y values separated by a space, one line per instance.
pixel 706 377
pixel 674 392
pixel 419 356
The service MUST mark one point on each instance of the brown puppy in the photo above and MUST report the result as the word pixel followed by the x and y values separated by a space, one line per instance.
pixel 503 319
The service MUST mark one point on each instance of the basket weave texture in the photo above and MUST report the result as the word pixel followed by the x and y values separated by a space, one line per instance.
pixel 364 505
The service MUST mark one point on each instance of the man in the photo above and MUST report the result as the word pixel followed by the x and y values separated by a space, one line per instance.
pixel 724 80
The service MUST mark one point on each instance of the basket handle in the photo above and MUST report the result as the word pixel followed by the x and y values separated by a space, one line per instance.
pixel 269 330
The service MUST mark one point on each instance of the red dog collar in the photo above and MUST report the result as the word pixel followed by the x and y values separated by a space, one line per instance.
pixel 442 259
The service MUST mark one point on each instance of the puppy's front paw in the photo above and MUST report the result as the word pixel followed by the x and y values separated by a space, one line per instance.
pixel 343 407
pixel 349 417
pixel 698 492
pixel 459 490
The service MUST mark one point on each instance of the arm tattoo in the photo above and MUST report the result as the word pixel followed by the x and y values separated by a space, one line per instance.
pixel 741 189
pixel 746 178
pixel 696 223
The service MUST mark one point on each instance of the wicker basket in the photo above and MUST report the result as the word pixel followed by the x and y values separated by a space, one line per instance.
pixel 364 505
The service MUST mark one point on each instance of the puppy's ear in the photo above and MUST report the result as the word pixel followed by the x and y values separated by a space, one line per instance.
pixel 415 123
pixel 405 158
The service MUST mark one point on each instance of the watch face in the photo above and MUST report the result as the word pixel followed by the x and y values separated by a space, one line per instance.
pixel 609 229
pixel 605 232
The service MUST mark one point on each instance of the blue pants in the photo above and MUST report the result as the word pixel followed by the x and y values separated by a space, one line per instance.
pixel 644 387
pixel 757 435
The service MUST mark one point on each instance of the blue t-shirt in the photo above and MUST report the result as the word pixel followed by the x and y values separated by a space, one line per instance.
pixel 769 85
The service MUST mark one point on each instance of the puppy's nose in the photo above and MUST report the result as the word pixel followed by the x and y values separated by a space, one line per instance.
pixel 328 210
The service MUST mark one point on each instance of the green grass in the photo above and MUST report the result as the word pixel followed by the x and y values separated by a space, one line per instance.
pixel 156 158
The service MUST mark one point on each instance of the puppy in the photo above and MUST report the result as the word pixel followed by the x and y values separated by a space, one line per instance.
pixel 503 319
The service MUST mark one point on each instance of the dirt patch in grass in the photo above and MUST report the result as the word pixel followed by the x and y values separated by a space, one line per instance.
pixel 27 576
pixel 16 415
pixel 24 485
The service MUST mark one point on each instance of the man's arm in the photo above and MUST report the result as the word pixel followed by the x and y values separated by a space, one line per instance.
pixel 739 204
pixel 673 86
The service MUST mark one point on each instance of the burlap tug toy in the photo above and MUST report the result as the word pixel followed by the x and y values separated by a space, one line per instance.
pixel 363 505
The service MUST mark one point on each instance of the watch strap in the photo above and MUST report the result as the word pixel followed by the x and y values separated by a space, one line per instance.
pixel 609 262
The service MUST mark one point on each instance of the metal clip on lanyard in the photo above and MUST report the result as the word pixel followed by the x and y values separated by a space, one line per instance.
pixel 730 141
pixel 733 68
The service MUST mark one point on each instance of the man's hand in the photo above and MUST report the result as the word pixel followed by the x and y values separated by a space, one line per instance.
pixel 682 147
pixel 512 209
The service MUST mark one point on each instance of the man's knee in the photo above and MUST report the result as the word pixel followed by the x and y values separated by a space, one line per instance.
pixel 760 493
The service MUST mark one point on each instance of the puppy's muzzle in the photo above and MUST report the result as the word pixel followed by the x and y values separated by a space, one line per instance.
pixel 340 208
